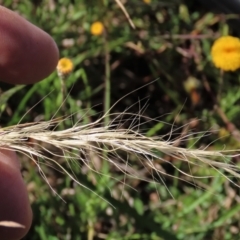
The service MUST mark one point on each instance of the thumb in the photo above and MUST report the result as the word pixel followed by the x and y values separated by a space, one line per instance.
pixel 14 202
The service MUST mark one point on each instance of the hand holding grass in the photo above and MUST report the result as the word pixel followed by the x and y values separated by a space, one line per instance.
pixel 27 55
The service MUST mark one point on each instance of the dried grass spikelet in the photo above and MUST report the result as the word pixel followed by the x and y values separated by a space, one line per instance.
pixel 11 224
pixel 92 137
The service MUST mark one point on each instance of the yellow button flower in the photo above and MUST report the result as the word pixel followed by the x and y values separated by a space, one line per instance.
pixel 147 1
pixel 97 28
pixel 64 67
pixel 225 53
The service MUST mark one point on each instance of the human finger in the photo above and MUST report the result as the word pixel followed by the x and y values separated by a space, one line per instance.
pixel 28 54
pixel 14 202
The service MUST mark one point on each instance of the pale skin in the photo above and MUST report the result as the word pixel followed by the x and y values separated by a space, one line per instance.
pixel 27 55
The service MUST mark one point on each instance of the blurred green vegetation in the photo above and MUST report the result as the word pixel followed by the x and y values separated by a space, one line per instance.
pixel 171 45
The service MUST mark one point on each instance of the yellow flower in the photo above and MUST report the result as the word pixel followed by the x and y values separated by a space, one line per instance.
pixel 147 1
pixel 64 67
pixel 97 28
pixel 226 53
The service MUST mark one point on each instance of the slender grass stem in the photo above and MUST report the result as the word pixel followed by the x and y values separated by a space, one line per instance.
pixel 107 82
pixel 220 87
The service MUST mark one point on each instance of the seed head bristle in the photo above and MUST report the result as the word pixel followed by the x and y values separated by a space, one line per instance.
pixel 93 137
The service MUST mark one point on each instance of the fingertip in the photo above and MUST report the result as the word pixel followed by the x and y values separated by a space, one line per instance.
pixel 28 54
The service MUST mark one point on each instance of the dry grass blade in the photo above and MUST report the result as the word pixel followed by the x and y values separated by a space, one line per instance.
pixel 119 3
pixel 11 224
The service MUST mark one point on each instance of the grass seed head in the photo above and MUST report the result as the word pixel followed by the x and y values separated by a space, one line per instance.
pixel 108 143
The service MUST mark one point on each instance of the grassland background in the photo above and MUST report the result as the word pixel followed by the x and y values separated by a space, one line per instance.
pixel 171 43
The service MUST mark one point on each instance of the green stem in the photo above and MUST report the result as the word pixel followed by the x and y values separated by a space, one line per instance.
pixel 107 82
pixel 107 94
pixel 64 96
pixel 220 87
